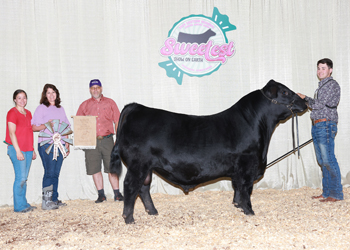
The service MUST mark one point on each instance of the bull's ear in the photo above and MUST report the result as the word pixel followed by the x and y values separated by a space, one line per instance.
pixel 271 89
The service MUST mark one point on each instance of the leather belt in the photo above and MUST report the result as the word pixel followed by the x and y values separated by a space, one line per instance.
pixel 103 137
pixel 319 120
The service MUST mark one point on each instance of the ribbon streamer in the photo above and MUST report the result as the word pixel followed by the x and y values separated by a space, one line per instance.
pixel 58 146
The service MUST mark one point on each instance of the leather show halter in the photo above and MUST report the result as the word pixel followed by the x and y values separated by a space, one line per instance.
pixel 288 106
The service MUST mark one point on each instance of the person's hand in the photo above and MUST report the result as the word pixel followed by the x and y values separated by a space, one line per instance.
pixel 67 146
pixel 20 156
pixel 44 126
pixel 301 96
pixel 50 121
pixel 34 155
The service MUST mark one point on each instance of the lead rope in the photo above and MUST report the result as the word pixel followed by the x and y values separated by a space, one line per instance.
pixel 293 132
pixel 296 119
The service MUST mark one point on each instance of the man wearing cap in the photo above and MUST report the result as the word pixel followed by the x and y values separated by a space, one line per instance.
pixel 107 113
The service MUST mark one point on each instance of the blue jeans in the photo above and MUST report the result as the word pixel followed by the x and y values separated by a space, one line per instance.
pixel 323 134
pixel 52 168
pixel 21 174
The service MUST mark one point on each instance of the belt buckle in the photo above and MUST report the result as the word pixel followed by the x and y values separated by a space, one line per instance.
pixel 99 137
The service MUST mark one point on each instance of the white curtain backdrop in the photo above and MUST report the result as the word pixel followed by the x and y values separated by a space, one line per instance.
pixel 70 42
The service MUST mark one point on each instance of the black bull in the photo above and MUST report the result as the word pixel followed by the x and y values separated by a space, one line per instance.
pixel 189 150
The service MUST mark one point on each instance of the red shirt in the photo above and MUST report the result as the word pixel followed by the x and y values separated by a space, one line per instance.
pixel 24 132
pixel 106 111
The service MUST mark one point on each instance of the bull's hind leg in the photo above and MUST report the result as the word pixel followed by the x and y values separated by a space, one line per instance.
pixel 242 195
pixel 132 186
pixel 146 196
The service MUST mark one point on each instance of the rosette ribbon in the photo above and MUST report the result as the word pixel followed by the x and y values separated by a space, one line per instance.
pixel 57 131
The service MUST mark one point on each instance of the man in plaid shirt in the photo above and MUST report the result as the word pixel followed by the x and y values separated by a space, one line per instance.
pixel 324 118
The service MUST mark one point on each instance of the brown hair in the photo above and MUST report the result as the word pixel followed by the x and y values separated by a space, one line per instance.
pixel 18 91
pixel 326 61
pixel 44 100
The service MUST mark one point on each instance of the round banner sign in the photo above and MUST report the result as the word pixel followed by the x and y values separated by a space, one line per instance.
pixel 197 45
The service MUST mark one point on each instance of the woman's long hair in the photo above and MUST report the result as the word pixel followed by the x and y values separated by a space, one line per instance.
pixel 44 100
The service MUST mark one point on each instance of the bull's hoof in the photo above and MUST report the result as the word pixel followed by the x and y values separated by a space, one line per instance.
pixel 249 212
pixel 128 219
pixel 246 211
pixel 152 212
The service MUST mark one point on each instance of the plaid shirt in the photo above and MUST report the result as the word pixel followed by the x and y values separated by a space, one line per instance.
pixel 326 99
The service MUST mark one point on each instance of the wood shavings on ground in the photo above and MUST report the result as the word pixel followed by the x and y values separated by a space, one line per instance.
pixel 199 220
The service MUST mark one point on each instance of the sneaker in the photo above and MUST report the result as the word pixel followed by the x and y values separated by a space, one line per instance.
pixel 26 210
pixel 101 198
pixel 60 203
pixel 118 197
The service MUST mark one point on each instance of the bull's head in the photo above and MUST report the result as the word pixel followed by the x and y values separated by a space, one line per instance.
pixel 279 94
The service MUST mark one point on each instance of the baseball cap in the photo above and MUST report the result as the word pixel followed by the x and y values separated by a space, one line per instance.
pixel 95 82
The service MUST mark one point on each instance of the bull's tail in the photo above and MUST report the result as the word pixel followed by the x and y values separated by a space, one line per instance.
pixel 115 165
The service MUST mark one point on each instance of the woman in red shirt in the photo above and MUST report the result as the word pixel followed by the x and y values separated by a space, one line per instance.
pixel 19 137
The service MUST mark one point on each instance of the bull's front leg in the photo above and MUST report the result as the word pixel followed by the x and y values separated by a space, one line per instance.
pixel 236 195
pixel 242 196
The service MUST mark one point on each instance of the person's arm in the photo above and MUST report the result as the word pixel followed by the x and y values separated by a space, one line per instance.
pixel 328 96
pixel 67 147
pixel 12 132
pixel 38 128
pixel 116 129
pixel 301 96
pixel 63 117
pixel 41 127
pixel 34 155
pixel 116 116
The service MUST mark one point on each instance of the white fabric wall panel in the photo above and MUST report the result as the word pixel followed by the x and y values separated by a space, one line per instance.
pixel 68 43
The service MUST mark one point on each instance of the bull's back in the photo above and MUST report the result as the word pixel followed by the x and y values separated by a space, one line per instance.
pixel 172 130
pixel 149 126
pixel 155 133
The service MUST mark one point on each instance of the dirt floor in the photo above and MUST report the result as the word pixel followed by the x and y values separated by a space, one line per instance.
pixel 199 220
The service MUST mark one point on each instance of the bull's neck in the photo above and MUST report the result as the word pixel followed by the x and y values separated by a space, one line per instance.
pixel 268 120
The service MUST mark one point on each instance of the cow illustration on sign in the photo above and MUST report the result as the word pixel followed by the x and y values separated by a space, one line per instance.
pixel 194 38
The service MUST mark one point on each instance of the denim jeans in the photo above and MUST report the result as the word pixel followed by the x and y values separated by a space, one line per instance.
pixel 21 174
pixel 52 168
pixel 323 134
